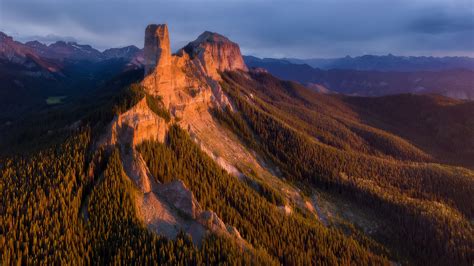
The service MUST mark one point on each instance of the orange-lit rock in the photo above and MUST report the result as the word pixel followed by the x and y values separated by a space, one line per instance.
pixel 216 53
pixel 192 74
pixel 157 51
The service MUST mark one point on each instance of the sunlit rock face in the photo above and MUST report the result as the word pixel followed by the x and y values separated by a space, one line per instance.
pixel 189 84
pixel 157 51
pixel 216 53
pixel 190 78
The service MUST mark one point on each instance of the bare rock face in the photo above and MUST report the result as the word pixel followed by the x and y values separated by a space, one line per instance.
pixel 210 220
pixel 216 53
pixel 192 74
pixel 157 51
pixel 134 126
pixel 180 197
pixel 188 84
pixel 128 130
pixel 166 75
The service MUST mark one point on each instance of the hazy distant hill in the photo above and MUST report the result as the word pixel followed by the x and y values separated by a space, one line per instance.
pixel 390 63
pixel 454 83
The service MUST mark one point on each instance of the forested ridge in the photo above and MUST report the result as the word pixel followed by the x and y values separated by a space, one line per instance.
pixel 42 221
pixel 293 239
pixel 65 201
pixel 54 184
pixel 429 205
pixel 55 210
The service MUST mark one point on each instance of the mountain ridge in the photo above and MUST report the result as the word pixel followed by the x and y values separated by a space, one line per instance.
pixel 455 83
pixel 389 63
pixel 204 160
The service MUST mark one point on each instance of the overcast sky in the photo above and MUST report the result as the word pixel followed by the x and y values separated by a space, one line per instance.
pixel 291 28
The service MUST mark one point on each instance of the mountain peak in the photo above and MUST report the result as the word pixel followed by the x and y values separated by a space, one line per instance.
pixel 127 52
pixel 35 44
pixel 211 37
pixel 157 51
pixel 58 43
pixel 4 36
pixel 216 52
pixel 196 67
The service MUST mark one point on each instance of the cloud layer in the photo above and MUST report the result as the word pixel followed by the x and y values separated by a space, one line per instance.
pixel 301 28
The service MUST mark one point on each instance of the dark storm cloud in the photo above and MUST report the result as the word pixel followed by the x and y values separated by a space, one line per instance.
pixel 300 28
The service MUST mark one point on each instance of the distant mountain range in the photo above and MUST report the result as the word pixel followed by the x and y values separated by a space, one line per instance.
pixel 389 63
pixel 455 83
pixel 60 51
pixel 32 72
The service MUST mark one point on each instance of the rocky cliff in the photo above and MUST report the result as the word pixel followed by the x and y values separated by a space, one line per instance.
pixel 216 53
pixel 192 74
pixel 188 84
pixel 157 49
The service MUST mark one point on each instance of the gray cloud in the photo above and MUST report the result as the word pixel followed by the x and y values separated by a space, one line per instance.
pixel 439 22
pixel 301 28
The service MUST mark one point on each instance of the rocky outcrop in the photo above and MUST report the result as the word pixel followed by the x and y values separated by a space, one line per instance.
pixel 128 130
pixel 216 53
pixel 157 51
pixel 181 197
pixel 212 221
pixel 134 126
pixel 192 74
pixel 172 208
pixel 164 219
pixel 188 84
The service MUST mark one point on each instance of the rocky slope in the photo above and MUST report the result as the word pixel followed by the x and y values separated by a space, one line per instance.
pixel 188 84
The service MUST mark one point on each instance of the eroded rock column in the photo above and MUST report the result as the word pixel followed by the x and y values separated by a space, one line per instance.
pixel 157 51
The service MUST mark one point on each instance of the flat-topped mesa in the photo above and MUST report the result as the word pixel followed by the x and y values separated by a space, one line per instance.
pixel 216 53
pixel 157 51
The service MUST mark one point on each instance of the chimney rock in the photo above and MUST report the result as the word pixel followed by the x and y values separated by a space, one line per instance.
pixel 157 51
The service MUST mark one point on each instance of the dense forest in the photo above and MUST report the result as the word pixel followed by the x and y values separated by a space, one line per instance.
pixel 293 239
pixel 63 200
pixel 49 223
pixel 54 210
pixel 430 203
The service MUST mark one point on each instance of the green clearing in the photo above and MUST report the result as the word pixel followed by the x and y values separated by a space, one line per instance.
pixel 55 100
